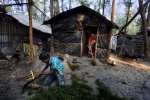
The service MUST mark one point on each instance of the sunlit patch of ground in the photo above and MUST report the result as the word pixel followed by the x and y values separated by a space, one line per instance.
pixel 132 62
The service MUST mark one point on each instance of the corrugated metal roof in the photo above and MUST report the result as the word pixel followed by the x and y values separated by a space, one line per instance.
pixel 23 19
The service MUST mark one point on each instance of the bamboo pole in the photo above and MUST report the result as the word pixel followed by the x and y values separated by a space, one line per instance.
pixel 30 29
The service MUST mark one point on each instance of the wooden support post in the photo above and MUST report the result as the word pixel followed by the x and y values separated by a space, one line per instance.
pixel 52 46
pixel 81 43
pixel 97 37
pixel 30 29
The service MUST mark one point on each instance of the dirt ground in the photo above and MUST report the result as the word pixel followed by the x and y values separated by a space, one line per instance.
pixel 130 78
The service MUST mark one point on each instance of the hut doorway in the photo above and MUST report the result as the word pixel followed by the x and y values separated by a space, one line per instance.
pixel 89 40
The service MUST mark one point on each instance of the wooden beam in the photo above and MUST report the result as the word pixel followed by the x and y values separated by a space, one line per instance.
pixel 30 29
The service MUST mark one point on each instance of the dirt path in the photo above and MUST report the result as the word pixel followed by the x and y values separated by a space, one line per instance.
pixel 10 88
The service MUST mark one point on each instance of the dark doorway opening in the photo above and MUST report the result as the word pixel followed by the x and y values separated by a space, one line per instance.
pixel 89 31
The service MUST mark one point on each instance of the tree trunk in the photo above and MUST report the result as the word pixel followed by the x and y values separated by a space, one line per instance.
pixel 54 7
pixel 110 34
pixel 70 5
pixel 144 25
pixel 44 9
pixel 62 5
pixel 104 7
pixel 51 9
pixel 148 25
pixel 30 28
pixel 148 16
pixel 113 11
pixel 135 15
pixel 99 6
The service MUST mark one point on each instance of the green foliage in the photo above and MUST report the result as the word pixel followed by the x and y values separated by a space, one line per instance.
pixel 84 2
pixel 77 91
pixel 8 9
pixel 74 67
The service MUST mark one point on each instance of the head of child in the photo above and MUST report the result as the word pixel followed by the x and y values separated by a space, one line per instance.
pixel 44 57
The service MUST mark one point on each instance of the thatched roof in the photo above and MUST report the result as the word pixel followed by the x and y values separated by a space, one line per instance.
pixel 79 9
pixel 23 19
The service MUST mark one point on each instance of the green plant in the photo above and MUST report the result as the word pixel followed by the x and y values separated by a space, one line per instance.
pixel 77 91
pixel 74 67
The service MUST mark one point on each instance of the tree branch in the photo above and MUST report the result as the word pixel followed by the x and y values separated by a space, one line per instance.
pixel 146 3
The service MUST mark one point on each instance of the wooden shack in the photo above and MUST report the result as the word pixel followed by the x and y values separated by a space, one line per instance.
pixel 14 30
pixel 72 28
pixel 130 45
pixel 148 29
